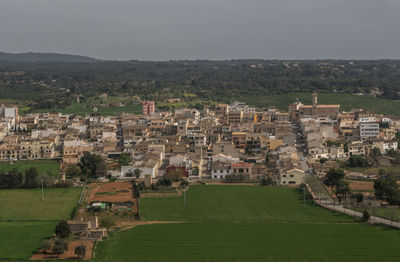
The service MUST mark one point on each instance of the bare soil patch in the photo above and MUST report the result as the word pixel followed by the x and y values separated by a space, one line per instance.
pixel 362 185
pixel 68 254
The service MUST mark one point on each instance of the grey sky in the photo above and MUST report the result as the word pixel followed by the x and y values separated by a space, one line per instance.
pixel 203 29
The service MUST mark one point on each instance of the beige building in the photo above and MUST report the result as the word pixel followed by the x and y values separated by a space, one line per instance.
pixel 235 117
pixel 273 144
pixel 27 150
pixel 239 139
pixel 293 177
pixel 74 149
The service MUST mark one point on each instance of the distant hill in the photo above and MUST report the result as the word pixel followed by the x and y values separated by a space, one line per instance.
pixel 44 57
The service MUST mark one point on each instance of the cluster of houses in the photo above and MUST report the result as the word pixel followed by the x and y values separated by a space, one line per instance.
pixel 226 142
pixel 331 134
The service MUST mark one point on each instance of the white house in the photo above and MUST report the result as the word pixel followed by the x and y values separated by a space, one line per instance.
pixel 220 170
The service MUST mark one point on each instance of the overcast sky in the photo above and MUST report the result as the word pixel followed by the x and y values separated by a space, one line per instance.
pixel 203 29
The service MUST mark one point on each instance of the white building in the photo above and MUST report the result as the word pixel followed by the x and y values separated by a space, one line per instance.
pixel 389 145
pixel 11 112
pixel 220 170
pixel 369 129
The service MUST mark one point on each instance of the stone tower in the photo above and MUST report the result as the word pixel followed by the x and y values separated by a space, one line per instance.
pixel 314 103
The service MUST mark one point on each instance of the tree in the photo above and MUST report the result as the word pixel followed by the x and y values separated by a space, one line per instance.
pixel 184 183
pixel 267 181
pixel 48 179
pixel 73 171
pixel 137 172
pixel 63 230
pixel 342 189
pixel 333 177
pixel 14 179
pixel 357 161
pixel 359 197
pixel 80 251
pixel 387 188
pixel 92 165
pixel 164 181
pixel 392 153
pixel 31 177
pixel 107 222
pixel 323 160
pixel 101 168
pixel 60 246
pixel 124 159
pixel 346 148
pixel 366 215
pixel 44 246
pixel 375 152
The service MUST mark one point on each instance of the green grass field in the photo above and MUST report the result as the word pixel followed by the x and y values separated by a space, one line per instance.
pixel 247 223
pixel 235 204
pixel 347 102
pixel 19 239
pixel 251 242
pixel 25 220
pixel 26 204
pixel 43 166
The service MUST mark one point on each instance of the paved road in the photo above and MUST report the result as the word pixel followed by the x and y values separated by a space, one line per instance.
pixel 300 148
pixel 339 208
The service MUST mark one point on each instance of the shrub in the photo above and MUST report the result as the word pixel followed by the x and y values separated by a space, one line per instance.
pixel 63 230
pixel 164 182
pixel 80 251
pixel 359 197
pixel 63 183
pixel 107 222
pixel 267 181
pixel 323 160
pixel 60 246
pixel 366 215
pixel 45 245
pixel 74 211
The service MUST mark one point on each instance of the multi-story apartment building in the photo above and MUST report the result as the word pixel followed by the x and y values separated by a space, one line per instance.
pixel 148 107
pixel 369 129
pixel 235 117
pixel 239 139
pixel 27 150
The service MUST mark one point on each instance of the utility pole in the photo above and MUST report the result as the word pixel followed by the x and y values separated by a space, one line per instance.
pixel 42 190
pixel 184 195
pixel 304 195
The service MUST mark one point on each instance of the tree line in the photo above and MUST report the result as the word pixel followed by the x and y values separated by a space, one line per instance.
pixel 193 80
pixel 29 179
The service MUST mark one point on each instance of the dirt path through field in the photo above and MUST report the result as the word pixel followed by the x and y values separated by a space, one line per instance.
pixel 130 224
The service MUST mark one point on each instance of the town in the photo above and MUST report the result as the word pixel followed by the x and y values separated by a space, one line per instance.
pixel 233 142
pixel 115 159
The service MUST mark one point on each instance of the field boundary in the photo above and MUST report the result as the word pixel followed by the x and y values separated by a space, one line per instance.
pixel 334 206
